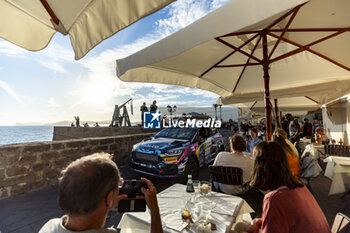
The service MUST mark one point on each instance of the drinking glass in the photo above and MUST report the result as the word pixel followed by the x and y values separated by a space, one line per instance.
pixel 206 207
pixel 196 185
pixel 195 211
pixel 205 188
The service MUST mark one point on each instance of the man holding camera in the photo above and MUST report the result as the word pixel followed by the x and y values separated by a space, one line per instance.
pixel 88 189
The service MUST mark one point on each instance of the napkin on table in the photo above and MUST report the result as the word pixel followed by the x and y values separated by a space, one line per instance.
pixel 224 207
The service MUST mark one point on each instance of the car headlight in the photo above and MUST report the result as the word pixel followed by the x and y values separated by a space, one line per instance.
pixel 134 146
pixel 174 152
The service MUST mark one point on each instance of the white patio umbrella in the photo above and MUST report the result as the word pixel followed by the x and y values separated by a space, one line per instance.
pixel 295 105
pixel 32 23
pixel 284 105
pixel 233 51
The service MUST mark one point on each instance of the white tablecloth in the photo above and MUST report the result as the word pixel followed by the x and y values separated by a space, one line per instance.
pixel 303 143
pixel 313 150
pixel 338 169
pixel 173 198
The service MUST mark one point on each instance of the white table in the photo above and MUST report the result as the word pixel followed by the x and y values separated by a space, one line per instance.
pixel 338 169
pixel 173 199
pixel 313 150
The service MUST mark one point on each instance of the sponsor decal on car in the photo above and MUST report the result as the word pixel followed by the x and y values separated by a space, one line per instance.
pixel 170 159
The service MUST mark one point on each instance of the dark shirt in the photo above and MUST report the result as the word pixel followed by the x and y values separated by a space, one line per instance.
pixel 285 126
pixel 153 108
pixel 143 108
pixel 307 129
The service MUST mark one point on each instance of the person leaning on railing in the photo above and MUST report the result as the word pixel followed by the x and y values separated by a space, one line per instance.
pixel 88 189
pixel 288 206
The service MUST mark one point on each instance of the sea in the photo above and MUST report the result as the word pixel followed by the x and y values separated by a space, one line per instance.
pixel 21 134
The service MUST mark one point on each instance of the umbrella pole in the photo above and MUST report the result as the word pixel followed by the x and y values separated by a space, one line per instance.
pixel 266 68
pixel 276 111
pixel 281 118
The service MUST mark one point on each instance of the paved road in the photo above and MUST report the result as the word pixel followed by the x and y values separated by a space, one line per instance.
pixel 29 212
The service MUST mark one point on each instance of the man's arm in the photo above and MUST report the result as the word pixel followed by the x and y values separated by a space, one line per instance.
pixel 152 203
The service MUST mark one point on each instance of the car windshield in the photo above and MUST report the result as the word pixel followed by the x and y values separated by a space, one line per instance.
pixel 179 133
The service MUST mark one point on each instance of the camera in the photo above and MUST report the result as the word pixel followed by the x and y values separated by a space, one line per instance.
pixel 133 188
pixel 132 204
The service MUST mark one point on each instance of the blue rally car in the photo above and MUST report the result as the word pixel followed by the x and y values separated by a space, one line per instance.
pixel 176 152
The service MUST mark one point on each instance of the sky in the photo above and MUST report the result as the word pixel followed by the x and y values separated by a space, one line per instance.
pixel 50 86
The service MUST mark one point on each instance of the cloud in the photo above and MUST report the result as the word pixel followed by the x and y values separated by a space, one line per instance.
pixel 185 12
pixel 10 91
pixel 55 57
pixel 52 103
pixel 56 52
pixel 53 65
pixel 217 3
pixel 10 50
pixel 1 68
pixel 100 83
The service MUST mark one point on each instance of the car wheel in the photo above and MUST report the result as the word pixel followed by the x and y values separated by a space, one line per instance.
pixel 192 167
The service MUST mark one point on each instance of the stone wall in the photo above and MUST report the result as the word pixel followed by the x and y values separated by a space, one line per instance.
pixel 66 133
pixel 29 166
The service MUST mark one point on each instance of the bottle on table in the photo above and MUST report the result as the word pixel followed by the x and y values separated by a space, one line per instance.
pixel 189 187
pixel 340 141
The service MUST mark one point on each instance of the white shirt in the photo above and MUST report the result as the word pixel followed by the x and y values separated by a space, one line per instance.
pixel 229 159
pixel 56 226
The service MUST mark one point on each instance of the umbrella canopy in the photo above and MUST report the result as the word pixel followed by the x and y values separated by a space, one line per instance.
pixel 32 24
pixel 234 51
pixel 290 104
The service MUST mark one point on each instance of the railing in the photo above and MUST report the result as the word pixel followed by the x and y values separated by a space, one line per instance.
pixel 339 150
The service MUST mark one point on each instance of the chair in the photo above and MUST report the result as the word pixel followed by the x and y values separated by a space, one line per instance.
pixel 341 224
pixel 234 176
pixel 226 175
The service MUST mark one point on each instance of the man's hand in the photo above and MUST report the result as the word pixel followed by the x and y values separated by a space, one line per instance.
pixel 121 197
pixel 150 195
pixel 152 203
pixel 254 227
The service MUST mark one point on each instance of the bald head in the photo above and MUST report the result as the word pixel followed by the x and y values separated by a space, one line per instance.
pixel 86 182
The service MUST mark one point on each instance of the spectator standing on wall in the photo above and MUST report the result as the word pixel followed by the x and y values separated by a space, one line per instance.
pixel 153 106
pixel 143 109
